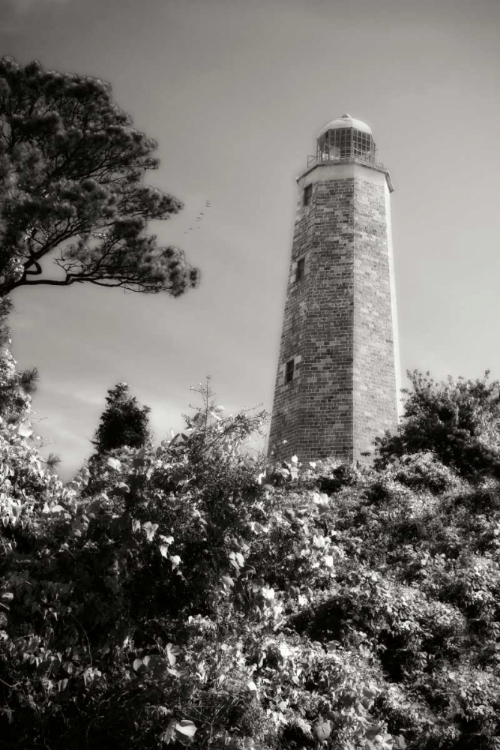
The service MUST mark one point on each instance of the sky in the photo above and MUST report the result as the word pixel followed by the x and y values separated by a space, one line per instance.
pixel 234 91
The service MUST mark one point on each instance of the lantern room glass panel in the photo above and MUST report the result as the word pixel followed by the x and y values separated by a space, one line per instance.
pixel 346 143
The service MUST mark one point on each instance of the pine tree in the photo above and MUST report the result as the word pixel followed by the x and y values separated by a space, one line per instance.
pixel 71 187
pixel 124 422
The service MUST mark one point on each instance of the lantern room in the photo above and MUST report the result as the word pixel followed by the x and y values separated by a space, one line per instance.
pixel 346 139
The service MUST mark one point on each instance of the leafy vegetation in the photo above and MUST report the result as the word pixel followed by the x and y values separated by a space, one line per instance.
pixel 458 421
pixel 197 597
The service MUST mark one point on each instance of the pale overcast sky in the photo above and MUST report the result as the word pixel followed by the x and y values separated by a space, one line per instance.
pixel 234 91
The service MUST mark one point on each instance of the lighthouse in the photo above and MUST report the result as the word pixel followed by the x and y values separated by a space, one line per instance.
pixel 337 379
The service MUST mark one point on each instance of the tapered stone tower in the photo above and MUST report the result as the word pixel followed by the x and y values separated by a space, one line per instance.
pixel 337 384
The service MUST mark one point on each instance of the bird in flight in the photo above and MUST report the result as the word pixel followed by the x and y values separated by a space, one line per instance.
pixel 199 218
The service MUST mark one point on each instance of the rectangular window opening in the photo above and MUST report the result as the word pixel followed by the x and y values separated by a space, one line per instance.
pixel 307 194
pixel 290 367
pixel 301 266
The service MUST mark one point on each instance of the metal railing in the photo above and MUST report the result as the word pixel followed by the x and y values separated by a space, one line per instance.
pixel 369 157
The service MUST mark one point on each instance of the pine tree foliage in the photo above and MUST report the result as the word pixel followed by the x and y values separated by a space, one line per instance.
pixel 72 190
pixel 124 422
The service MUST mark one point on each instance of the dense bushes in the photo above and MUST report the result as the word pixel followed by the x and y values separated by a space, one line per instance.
pixel 194 596
pixel 457 421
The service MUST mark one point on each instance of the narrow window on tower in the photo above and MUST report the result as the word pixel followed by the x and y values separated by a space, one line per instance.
pixel 307 194
pixel 290 367
pixel 301 268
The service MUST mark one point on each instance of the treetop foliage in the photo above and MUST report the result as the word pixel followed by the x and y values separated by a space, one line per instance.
pixel 200 598
pixel 123 423
pixel 71 188
pixel 458 421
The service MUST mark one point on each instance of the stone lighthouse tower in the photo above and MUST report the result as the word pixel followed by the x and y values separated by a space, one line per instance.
pixel 337 383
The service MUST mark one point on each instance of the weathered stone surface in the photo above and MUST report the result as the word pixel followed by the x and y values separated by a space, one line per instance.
pixel 338 321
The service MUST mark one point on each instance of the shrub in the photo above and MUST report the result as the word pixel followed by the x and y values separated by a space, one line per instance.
pixel 197 597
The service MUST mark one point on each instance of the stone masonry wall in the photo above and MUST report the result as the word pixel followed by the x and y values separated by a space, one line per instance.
pixel 337 326
pixel 374 376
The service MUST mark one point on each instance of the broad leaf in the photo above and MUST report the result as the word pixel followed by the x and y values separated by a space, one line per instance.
pixel 186 728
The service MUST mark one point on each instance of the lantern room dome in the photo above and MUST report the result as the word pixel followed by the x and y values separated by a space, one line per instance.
pixel 346 121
